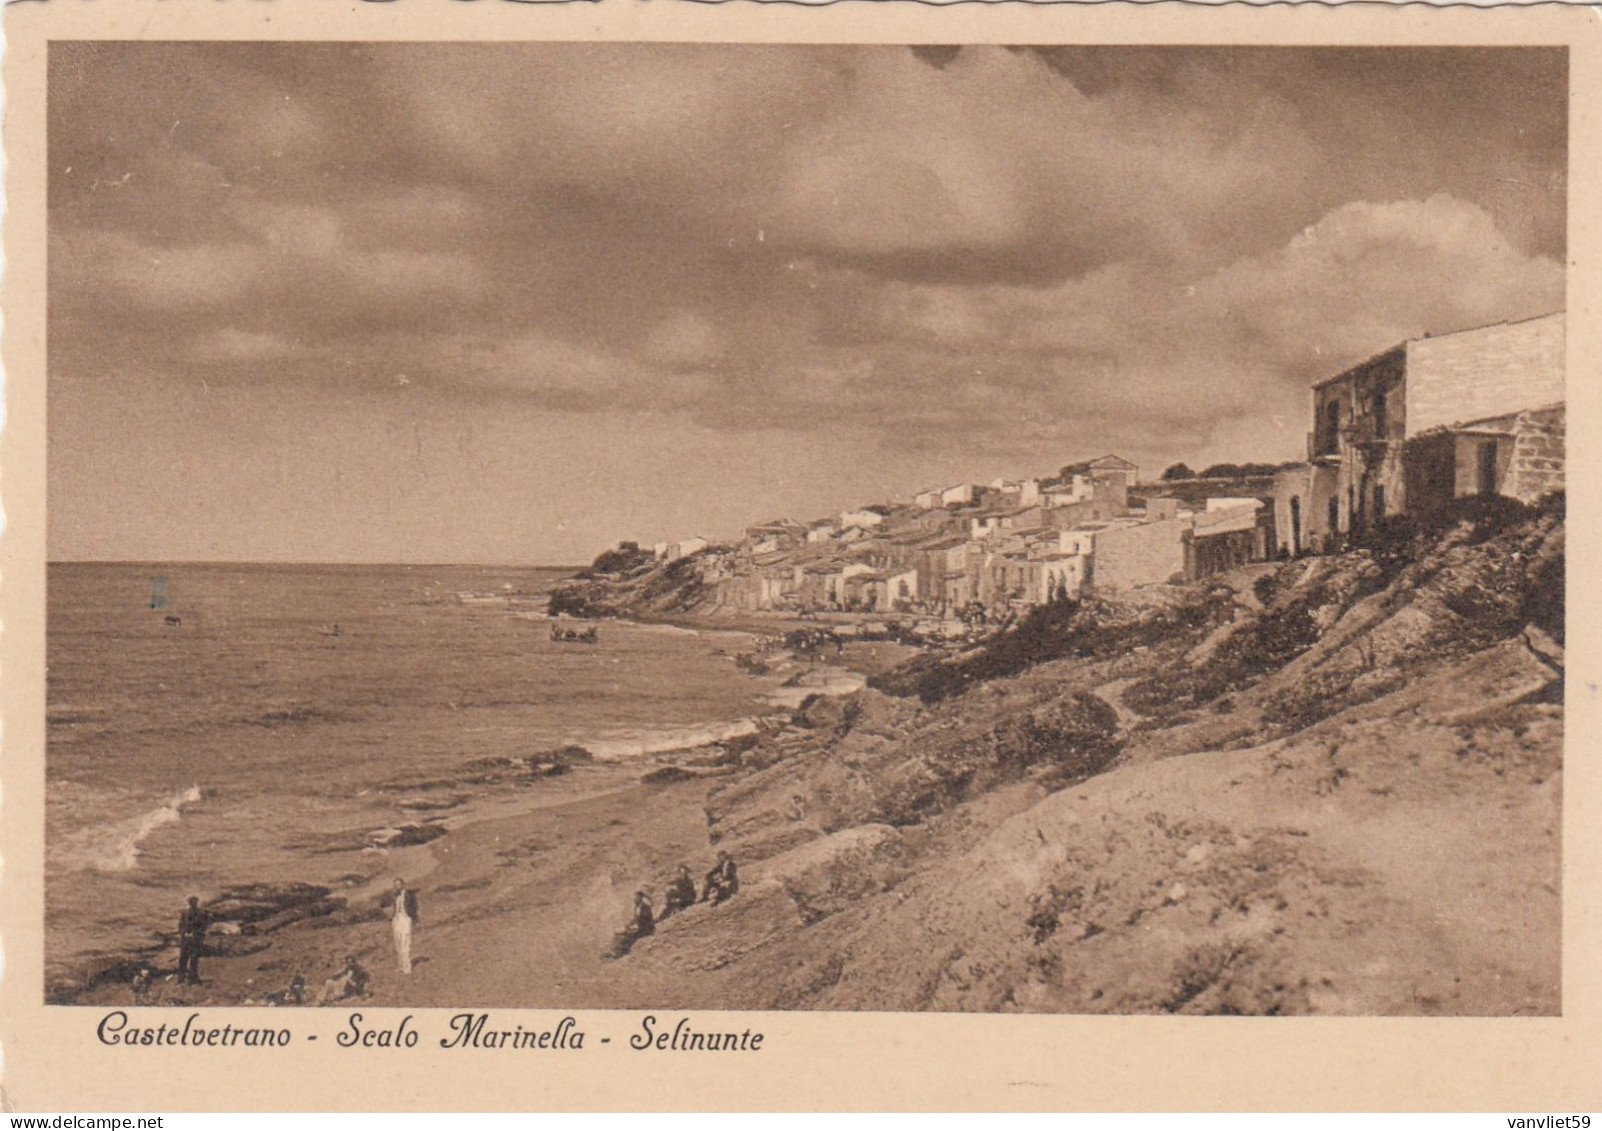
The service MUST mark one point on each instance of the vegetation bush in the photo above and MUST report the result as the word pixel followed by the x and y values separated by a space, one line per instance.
pixel 1322 694
pixel 1072 739
pixel 1258 648
pixel 1053 632
pixel 627 559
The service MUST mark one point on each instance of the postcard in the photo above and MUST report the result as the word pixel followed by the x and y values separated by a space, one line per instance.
pixel 567 557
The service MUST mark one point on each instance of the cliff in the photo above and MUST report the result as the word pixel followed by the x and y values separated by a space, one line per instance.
pixel 624 583
pixel 1331 785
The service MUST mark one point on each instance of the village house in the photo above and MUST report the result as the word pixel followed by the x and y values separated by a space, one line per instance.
pixel 927 500
pixel 1129 552
pixel 1160 508
pixel 1520 455
pixel 990 521
pixel 958 588
pixel 1017 492
pixel 672 551
pixel 821 530
pixel 1090 491
pixel 773 581
pixel 1475 412
pixel 960 495
pixel 823 584
pixel 1060 575
pixel 934 559
pixel 1230 533
pixel 781 532
pixel 862 518
pixel 1066 514
pixel 1107 477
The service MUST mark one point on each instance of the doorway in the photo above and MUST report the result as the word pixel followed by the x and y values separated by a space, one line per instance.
pixel 1487 469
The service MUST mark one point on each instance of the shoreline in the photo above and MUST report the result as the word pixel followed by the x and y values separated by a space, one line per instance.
pixel 294 923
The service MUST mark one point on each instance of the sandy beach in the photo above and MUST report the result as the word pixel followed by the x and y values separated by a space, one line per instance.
pixel 516 908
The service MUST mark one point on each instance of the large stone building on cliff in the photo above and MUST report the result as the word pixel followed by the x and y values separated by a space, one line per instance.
pixel 1476 412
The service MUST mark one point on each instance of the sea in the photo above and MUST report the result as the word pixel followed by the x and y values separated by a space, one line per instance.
pixel 217 725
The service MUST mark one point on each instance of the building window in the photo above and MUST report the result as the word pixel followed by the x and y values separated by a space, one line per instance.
pixel 1332 428
pixel 1334 516
pixel 1379 502
pixel 1379 423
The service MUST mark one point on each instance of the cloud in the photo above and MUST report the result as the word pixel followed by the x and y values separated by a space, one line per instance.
pixel 231 344
pixel 1124 353
pixel 113 271
pixel 989 249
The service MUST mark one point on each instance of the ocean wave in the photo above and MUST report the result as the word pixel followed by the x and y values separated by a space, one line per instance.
pixel 116 848
pixel 624 745
pixel 835 681
pixel 657 628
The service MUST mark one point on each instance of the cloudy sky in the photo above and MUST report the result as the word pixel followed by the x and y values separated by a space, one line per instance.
pixel 515 302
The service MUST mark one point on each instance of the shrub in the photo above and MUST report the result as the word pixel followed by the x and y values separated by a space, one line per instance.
pixel 626 559
pixel 1544 604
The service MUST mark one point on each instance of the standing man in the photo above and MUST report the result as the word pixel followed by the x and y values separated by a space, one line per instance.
pixel 403 918
pixel 192 926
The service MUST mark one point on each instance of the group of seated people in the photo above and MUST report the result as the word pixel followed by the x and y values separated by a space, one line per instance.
pixel 721 883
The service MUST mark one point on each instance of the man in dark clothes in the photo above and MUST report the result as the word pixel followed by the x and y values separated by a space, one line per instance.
pixel 192 926
pixel 680 893
pixel 349 982
pixel 722 881
pixel 643 923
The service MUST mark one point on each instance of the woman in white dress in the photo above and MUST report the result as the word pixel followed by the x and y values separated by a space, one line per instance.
pixel 403 918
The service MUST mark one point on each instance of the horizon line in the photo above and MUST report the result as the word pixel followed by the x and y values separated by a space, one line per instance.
pixel 309 562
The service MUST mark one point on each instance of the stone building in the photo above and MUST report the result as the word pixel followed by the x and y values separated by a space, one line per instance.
pixel 1128 553
pixel 1519 455
pixel 1229 534
pixel 1379 431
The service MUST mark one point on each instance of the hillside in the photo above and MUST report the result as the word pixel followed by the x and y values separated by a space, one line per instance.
pixel 1331 785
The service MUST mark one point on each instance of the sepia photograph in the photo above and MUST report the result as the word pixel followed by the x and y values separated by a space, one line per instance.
pixel 625 525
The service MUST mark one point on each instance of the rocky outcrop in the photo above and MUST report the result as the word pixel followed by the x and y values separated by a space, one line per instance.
pixel 637 585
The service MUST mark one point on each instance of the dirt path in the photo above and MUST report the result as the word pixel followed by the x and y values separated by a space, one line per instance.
pixel 1112 694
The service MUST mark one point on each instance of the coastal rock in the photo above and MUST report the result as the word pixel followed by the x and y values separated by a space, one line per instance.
pixel 826 712
pixel 431 804
pixel 313 910
pixel 252 903
pixel 671 775
pixel 405 836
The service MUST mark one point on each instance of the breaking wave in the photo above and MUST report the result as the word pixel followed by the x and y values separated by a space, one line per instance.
pixel 622 746
pixel 116 848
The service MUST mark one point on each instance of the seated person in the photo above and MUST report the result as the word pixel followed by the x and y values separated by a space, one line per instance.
pixel 643 923
pixel 722 881
pixel 349 982
pixel 680 893
pixel 293 994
